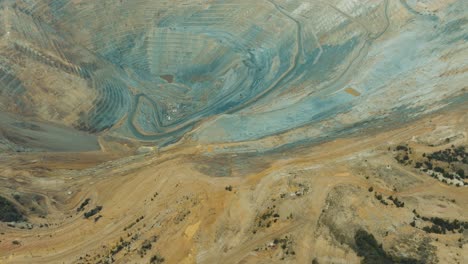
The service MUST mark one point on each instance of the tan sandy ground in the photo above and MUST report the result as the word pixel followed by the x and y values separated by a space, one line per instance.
pixel 319 192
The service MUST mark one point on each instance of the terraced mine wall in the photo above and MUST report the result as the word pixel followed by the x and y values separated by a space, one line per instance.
pixel 158 70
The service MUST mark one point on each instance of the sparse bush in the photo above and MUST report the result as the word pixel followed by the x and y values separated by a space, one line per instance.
pixel 83 204
pixel 434 229
pixel 367 247
pixel 17 197
pixel 121 245
pixel 8 211
pixel 372 252
pixel 441 226
pixel 157 259
pixel 146 245
pixel 428 165
pixel 397 202
pixel 92 212
pixel 404 148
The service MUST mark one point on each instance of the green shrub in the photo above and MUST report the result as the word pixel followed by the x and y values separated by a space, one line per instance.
pixel 156 259
pixel 92 212
pixel 82 206
pixel 8 211
pixel 373 253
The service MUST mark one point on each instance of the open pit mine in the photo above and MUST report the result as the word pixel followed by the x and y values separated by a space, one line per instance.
pixel 234 131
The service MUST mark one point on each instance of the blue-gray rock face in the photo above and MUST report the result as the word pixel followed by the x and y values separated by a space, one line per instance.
pixel 235 70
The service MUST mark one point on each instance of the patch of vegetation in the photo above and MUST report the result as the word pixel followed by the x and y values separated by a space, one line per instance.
pixel 284 244
pixel 453 154
pixel 228 188
pixel 157 259
pixel 428 165
pixel 97 218
pixel 154 196
pixel 434 229
pixel 129 226
pixel 445 165
pixel 373 253
pixel 133 223
pixel 403 154
pixel 401 147
pixel 268 217
pixel 120 245
pixel 180 217
pixel 92 212
pixel 397 202
pixel 441 226
pixel 83 204
pixel 8 211
pixel 380 198
pixel 147 245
